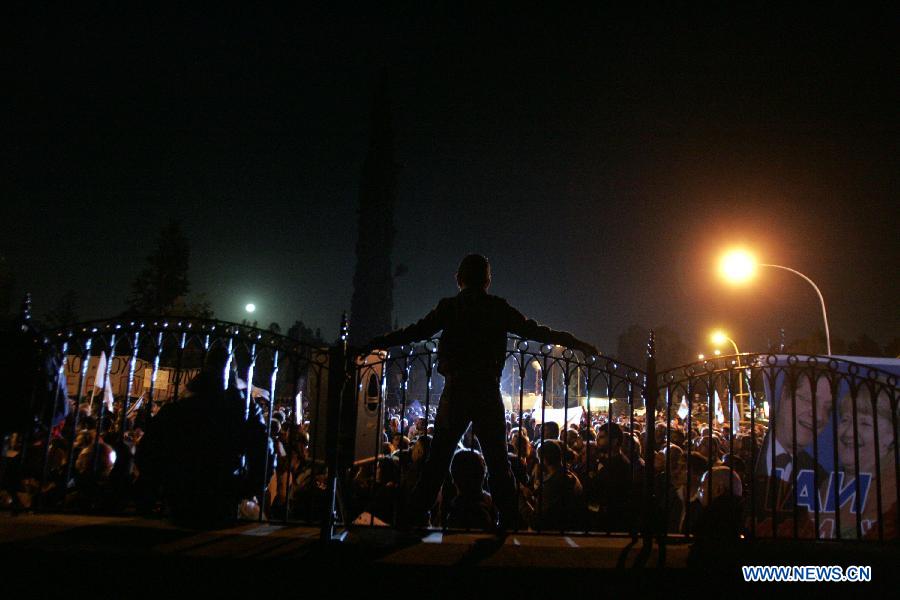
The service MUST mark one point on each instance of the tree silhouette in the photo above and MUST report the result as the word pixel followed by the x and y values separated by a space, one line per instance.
pixel 892 349
pixel 299 331
pixel 815 344
pixel 864 346
pixel 65 312
pixel 161 288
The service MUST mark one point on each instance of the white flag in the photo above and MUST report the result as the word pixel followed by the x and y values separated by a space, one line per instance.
pixel 100 371
pixel 720 415
pixel 258 392
pixel 101 380
pixel 298 408
pixel 683 409
pixel 137 405
pixel 735 411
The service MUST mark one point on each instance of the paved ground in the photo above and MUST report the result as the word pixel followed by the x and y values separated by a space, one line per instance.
pixel 137 557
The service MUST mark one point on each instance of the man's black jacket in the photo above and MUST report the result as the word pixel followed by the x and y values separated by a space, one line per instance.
pixel 475 325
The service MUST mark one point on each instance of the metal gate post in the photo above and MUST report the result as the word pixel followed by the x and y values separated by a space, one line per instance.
pixel 337 379
pixel 651 393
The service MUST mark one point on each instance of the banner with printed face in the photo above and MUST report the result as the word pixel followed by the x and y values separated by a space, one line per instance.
pixel 827 464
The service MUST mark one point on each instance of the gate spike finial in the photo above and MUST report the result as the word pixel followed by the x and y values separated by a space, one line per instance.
pixel 345 326
pixel 26 307
pixel 651 345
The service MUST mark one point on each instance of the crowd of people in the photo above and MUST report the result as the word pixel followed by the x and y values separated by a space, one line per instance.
pixel 200 460
pixel 589 476
pixel 586 477
pixel 205 463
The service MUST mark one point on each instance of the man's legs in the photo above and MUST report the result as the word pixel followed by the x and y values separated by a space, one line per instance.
pixel 451 422
pixel 489 425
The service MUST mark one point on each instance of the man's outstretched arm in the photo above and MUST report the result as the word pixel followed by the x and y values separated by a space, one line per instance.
pixel 423 329
pixel 532 330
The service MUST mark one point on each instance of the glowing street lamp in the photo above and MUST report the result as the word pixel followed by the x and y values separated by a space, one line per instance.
pixel 739 266
pixel 250 308
pixel 718 338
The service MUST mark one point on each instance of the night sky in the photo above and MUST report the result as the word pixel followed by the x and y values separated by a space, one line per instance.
pixel 601 161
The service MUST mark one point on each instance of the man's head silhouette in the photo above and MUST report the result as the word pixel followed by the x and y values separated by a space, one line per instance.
pixel 474 272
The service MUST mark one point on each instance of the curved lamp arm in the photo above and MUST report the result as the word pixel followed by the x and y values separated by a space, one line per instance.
pixel 733 345
pixel 821 299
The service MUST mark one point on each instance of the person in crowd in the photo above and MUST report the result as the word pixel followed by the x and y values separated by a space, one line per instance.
pixel 520 456
pixel 708 447
pixel 385 494
pixel 671 481
pixel 93 466
pixel 204 472
pixel 720 494
pixel 631 448
pixel 616 488
pixel 719 525
pixel 414 428
pixel 559 502
pixel 548 430
pixel 695 466
pixel 399 442
pixel 733 461
pixel 676 436
pixel 472 507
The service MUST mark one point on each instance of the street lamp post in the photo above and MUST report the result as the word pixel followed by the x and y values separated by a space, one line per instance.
pixel 719 337
pixel 739 266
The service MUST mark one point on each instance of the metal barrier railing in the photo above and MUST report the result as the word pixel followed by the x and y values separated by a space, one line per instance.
pixel 749 445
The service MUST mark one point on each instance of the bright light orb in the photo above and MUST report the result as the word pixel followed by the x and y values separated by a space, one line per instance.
pixel 718 337
pixel 250 308
pixel 738 266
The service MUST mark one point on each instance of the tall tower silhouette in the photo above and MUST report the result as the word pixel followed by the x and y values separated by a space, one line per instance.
pixel 373 283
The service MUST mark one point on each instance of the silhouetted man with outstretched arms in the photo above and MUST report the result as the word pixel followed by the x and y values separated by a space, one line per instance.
pixel 471 356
